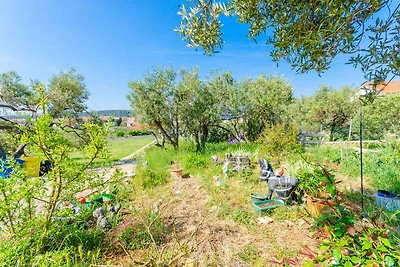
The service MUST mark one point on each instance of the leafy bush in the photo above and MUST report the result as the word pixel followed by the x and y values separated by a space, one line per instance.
pixel 346 243
pixel 218 135
pixel 195 161
pixel 120 133
pixel 139 132
pixel 281 139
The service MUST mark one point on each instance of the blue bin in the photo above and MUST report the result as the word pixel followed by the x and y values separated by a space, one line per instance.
pixel 387 200
pixel 6 169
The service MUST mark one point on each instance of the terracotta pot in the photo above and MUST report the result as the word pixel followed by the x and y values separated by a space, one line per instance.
pixel 177 173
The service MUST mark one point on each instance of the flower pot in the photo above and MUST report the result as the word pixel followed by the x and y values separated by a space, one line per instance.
pixel 387 200
pixel 176 173
pixel 283 191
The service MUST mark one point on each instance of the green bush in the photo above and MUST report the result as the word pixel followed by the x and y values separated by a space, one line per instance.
pixel 281 139
pixel 139 132
pixel 195 161
pixel 218 135
pixel 120 133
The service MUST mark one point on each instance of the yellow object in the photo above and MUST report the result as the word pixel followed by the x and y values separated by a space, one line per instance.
pixel 32 166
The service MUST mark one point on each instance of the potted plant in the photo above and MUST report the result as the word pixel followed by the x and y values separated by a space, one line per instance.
pixel 176 171
pixel 319 188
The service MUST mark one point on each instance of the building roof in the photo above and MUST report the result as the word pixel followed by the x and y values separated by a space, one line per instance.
pixel 386 87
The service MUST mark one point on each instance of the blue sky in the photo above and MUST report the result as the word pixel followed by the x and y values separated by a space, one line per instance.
pixel 113 42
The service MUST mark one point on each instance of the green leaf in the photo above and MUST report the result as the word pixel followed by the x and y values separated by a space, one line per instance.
pixel 337 254
pixel 348 264
pixel 389 261
pixel 386 242
pixel 366 245
pixel 382 248
pixel 355 260
pixel 340 232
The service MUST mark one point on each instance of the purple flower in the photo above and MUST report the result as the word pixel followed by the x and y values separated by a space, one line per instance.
pixel 229 140
pixel 235 141
pixel 241 137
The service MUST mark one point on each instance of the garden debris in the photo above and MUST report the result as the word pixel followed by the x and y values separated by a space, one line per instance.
pixel 240 163
pixel 219 182
pixel 264 220
pixel 101 220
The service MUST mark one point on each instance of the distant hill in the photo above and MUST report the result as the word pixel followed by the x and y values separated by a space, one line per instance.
pixel 112 112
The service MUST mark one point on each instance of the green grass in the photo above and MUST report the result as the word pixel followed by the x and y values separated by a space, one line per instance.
pixel 118 148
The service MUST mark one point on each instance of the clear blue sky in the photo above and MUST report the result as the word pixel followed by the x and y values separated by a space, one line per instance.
pixel 113 42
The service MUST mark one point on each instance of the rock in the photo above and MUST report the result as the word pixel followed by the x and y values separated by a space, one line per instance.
pixel 264 220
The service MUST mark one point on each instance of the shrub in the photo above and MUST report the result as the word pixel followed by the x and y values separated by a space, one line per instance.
pixel 281 139
pixel 218 135
pixel 139 132
pixel 120 133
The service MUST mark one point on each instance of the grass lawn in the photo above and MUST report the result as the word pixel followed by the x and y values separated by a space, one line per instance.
pixel 118 148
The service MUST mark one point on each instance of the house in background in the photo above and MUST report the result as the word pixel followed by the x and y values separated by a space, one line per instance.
pixel 134 123
pixel 383 88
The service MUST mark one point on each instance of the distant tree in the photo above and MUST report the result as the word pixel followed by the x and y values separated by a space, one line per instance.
pixel 261 103
pixel 307 34
pixel 201 108
pixel 155 100
pixel 380 118
pixel 332 109
pixel 67 94
pixel 64 96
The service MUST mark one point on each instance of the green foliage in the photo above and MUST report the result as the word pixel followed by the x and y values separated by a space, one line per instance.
pixel 120 133
pixel 281 139
pixel 67 94
pixel 238 214
pixel 195 161
pixel 139 132
pixel 306 37
pixel 25 254
pixel 346 243
pixel 156 100
pixel 156 171
pixel 256 104
pixel 380 118
pixel 152 177
pixel 218 135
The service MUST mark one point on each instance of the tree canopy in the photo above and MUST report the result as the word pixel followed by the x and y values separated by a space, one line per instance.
pixel 64 96
pixel 306 34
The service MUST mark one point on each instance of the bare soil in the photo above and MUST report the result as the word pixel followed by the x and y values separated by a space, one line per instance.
pixel 223 242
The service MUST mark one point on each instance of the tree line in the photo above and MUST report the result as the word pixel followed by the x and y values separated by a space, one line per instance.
pixel 181 103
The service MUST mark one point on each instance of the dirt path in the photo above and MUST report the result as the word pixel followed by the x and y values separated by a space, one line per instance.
pixel 224 242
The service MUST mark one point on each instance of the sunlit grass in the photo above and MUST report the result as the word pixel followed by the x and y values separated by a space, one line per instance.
pixel 118 149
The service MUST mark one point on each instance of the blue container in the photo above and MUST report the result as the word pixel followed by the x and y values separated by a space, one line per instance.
pixel 6 169
pixel 387 200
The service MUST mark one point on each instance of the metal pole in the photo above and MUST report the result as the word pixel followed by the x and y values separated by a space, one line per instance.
pixel 361 161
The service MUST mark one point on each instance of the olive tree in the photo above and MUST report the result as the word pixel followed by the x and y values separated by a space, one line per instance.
pixel 306 34
pixel 202 105
pixel 262 102
pixel 65 96
pixel 155 100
